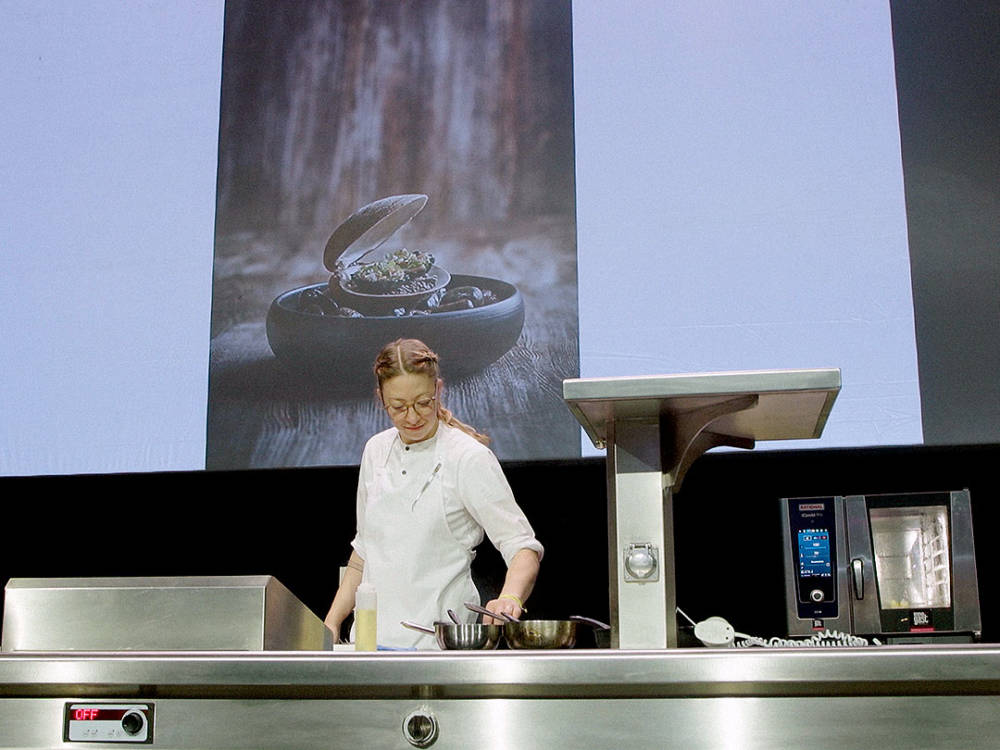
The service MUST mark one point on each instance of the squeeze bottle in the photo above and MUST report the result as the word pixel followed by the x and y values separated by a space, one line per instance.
pixel 365 638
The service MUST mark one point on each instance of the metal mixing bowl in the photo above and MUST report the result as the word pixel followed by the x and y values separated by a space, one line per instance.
pixel 541 634
pixel 470 635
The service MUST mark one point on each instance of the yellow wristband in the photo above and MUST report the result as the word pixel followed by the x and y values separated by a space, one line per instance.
pixel 514 599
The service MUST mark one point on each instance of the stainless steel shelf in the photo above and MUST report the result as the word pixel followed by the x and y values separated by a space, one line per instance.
pixel 792 404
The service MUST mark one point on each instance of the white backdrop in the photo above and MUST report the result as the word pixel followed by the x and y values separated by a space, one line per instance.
pixel 108 139
pixel 739 206
pixel 740 200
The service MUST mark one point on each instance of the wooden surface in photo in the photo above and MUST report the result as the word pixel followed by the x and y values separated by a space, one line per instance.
pixel 263 415
pixel 328 106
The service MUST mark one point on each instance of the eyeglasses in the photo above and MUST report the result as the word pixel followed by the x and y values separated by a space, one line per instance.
pixel 422 407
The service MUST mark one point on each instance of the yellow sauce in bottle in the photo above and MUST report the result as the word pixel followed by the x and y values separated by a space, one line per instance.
pixel 365 629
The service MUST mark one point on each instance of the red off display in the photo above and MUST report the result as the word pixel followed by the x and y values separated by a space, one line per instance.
pixel 98 714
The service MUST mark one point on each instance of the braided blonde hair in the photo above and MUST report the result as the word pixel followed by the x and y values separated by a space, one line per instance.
pixel 415 357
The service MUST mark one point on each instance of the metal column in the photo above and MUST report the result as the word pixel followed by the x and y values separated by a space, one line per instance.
pixel 654 427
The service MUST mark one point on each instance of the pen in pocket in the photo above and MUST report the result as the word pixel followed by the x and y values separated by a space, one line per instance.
pixel 426 485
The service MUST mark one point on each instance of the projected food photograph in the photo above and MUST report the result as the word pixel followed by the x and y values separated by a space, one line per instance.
pixel 392 170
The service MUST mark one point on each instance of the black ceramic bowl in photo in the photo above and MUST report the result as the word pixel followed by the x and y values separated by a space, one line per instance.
pixel 336 349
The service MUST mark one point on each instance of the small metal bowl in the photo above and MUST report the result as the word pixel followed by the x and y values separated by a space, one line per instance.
pixel 469 636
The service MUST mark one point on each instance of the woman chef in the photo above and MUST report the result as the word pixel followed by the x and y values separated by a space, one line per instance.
pixel 427 490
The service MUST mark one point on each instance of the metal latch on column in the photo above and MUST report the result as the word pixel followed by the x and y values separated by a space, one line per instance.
pixel 641 562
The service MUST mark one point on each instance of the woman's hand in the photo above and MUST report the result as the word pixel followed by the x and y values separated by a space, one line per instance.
pixel 333 626
pixel 502 605
pixel 343 602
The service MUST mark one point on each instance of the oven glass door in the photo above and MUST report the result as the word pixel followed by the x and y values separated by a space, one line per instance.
pixel 912 556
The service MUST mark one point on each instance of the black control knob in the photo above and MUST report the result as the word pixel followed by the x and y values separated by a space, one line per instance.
pixel 816 595
pixel 133 722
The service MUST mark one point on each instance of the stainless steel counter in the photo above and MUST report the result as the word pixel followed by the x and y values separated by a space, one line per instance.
pixel 166 613
pixel 914 696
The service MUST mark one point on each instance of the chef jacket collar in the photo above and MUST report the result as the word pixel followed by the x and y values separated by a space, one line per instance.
pixel 430 444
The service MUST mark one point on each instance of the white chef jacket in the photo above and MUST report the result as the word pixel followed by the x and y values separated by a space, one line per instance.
pixel 421 509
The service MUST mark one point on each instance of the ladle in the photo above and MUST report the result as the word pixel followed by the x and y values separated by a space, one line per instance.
pixel 591 621
pixel 601 630
pixel 417 626
pixel 496 615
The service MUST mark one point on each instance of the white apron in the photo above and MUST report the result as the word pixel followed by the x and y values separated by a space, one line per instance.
pixel 418 568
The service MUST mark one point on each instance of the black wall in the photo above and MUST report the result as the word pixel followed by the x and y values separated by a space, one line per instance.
pixel 296 524
pixel 947 58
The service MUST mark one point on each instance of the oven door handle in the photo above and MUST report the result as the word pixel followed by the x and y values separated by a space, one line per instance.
pixel 858 576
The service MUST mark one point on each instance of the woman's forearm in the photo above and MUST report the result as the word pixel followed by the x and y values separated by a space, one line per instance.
pixel 521 575
pixel 517 586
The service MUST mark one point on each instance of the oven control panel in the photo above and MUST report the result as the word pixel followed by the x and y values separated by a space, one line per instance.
pixel 813 530
pixel 108 722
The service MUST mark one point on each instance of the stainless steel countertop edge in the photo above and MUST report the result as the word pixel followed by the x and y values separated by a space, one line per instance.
pixel 912 669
